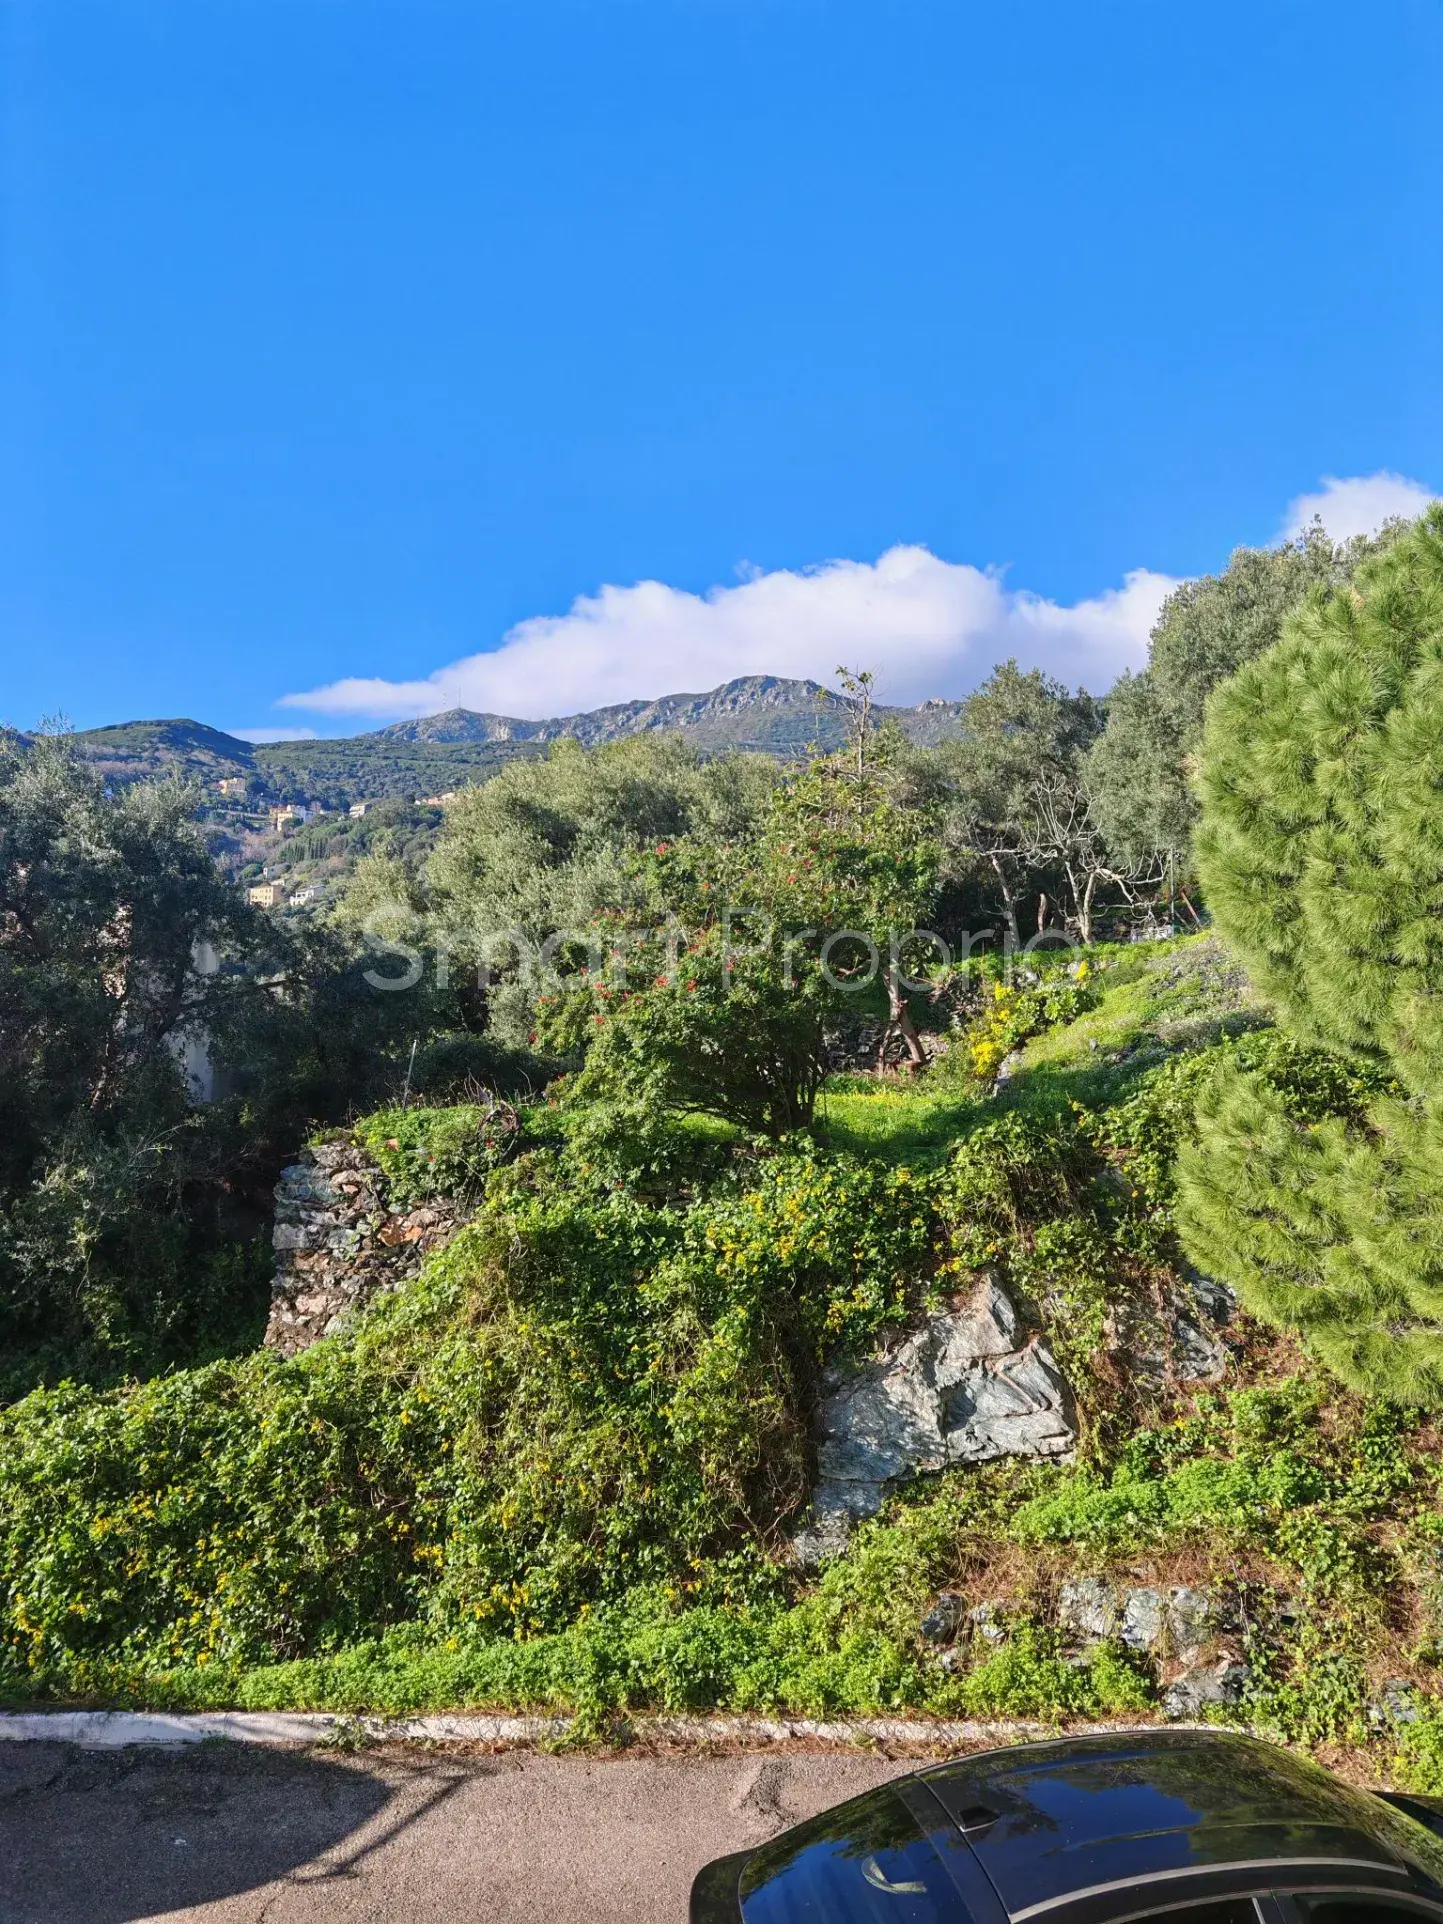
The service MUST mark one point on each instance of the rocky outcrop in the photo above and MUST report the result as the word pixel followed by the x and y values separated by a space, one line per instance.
pixel 1207 1687
pixel 963 1388
pixel 339 1242
pixel 946 1617
pixel 1177 1622
pixel 1184 1344
pixel 1398 1702
pixel 1175 1630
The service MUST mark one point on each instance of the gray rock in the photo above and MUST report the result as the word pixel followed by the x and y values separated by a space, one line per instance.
pixel 1175 1623
pixel 1184 1346
pixel 1218 1303
pixel 300 1184
pixel 1207 1687
pixel 1144 1617
pixel 1189 1621
pixel 825 1533
pixel 957 1390
pixel 1197 1355
pixel 988 1621
pixel 943 1620
pixel 1087 1609
pixel 1396 1703
pixel 301 1235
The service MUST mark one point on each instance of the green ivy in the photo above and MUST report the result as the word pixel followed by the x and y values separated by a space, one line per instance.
pixel 425 1153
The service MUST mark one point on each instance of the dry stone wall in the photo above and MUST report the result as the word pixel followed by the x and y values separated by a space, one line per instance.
pixel 339 1242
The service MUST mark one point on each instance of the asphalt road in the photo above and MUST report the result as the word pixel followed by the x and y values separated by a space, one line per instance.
pixel 231 1835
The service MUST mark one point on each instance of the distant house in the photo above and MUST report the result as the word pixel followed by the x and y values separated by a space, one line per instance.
pixel 358 809
pixel 287 813
pixel 301 897
pixel 266 895
pixel 437 801
pixel 233 785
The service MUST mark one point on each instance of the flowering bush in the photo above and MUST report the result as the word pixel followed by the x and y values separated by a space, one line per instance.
pixel 1017 1011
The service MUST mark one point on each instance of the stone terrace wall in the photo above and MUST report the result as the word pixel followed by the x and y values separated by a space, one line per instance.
pixel 338 1242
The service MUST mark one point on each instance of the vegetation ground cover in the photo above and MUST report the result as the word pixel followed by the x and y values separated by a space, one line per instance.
pixel 563 1466
pixel 531 1483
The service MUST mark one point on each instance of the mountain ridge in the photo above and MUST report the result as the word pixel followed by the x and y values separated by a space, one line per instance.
pixel 746 694
pixel 767 714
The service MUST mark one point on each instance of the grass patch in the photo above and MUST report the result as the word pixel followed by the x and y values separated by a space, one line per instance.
pixel 1156 999
pixel 895 1122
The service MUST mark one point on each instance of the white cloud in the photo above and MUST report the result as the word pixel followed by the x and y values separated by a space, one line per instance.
pixel 273 734
pixel 924 625
pixel 1358 505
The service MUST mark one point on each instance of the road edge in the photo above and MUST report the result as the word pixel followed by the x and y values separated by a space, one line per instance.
pixel 117 1729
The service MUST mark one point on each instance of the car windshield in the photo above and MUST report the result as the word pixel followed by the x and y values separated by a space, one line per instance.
pixel 869 1862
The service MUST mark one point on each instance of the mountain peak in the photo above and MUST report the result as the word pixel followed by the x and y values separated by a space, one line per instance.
pixel 764 693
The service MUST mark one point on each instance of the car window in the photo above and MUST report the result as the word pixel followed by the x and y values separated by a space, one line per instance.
pixel 1229 1910
pixel 868 1863
pixel 1361 1907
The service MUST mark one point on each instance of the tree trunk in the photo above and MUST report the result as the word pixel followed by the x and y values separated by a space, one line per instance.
pixel 899 1022
pixel 1084 907
pixel 1009 904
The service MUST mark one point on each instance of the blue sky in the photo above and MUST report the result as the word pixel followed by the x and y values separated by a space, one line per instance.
pixel 340 337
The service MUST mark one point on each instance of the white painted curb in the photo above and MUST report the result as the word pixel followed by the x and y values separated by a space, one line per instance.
pixel 114 1729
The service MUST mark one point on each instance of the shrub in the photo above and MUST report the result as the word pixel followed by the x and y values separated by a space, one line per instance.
pixel 736 1037
pixel 1017 1011
pixel 1030 1677
pixel 438 1152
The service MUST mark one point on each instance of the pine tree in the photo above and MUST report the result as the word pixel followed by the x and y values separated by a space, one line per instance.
pixel 1320 849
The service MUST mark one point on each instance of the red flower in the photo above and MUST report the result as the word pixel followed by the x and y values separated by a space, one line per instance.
pixel 690 986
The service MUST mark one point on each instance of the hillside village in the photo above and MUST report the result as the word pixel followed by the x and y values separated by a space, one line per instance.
pixel 257 798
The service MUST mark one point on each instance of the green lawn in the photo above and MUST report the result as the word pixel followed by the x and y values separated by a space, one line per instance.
pixel 894 1121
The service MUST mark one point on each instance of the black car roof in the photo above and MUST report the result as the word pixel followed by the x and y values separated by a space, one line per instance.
pixel 1054 1822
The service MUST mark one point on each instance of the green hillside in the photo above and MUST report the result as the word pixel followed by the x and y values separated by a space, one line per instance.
pixel 364 1552
pixel 878 1308
pixel 408 760
pixel 376 767
pixel 140 749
